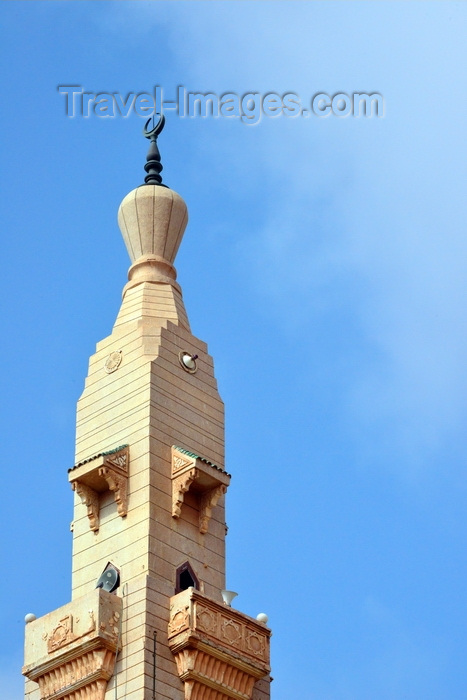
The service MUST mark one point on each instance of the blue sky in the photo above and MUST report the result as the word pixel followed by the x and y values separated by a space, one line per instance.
pixel 324 263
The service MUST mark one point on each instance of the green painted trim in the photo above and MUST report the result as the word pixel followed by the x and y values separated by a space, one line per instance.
pixel 101 454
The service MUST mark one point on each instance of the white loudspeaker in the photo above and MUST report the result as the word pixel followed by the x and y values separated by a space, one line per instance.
pixel 228 596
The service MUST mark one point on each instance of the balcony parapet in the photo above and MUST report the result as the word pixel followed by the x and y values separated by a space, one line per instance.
pixel 71 651
pixel 220 652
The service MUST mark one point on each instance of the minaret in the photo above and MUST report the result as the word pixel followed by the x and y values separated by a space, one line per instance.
pixel 149 521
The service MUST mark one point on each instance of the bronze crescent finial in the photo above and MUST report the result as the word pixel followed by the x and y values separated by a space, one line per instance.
pixel 156 130
pixel 153 164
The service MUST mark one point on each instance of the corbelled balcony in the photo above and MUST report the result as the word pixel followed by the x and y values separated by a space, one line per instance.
pixel 71 651
pixel 220 652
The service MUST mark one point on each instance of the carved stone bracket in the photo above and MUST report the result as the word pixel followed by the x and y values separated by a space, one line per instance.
pixel 90 498
pixel 180 486
pixel 197 474
pixel 208 500
pixel 71 652
pixel 107 471
pixel 220 652
pixel 118 483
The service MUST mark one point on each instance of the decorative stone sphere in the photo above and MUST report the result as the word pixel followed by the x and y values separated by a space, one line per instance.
pixel 262 617
pixel 30 617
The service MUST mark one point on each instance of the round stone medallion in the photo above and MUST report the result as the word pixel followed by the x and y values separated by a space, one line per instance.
pixel 113 361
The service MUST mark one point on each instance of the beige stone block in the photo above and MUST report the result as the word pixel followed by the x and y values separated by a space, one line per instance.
pixel 110 432
pixel 161 316
pixel 175 386
pixel 195 411
pixel 163 501
pixel 172 411
pixel 175 334
pixel 151 306
pixel 163 390
pixel 204 374
pixel 161 482
pixel 168 434
pixel 180 382
pixel 169 680
pixel 189 539
pixel 132 383
pixel 109 436
pixel 145 298
pixel 131 560
pixel 136 622
pixel 168 355
pixel 168 359
pixel 170 421
pixel 145 681
pixel 111 523
pixel 149 290
pixel 113 534
pixel 136 670
pixel 137 481
pixel 130 420
pixel 173 405
pixel 130 362
pixel 131 345
pixel 158 608
pixel 135 609
pixel 171 344
pixel 116 334
pixel 199 559
pixel 134 635
pixel 31 690
pixel 147 694
pixel 183 434
pixel 129 377
pixel 157 313
pixel 164 692
pixel 121 398
pixel 141 451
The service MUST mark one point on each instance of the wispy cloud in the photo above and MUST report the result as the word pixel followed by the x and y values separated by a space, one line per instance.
pixel 361 220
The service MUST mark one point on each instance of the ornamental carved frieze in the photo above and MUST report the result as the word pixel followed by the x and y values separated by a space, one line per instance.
pixel 71 652
pixel 179 620
pixel 231 632
pixel 107 471
pixel 206 619
pixel 207 481
pixel 63 633
pixel 220 652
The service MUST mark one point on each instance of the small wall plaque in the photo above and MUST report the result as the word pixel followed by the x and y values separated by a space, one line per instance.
pixel 113 361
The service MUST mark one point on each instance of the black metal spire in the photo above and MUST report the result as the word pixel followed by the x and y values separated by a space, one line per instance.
pixel 153 164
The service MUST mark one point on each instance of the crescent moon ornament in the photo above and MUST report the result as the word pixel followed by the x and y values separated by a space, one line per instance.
pixel 153 164
pixel 156 129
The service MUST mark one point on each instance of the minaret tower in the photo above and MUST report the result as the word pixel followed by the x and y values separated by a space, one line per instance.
pixel 149 484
